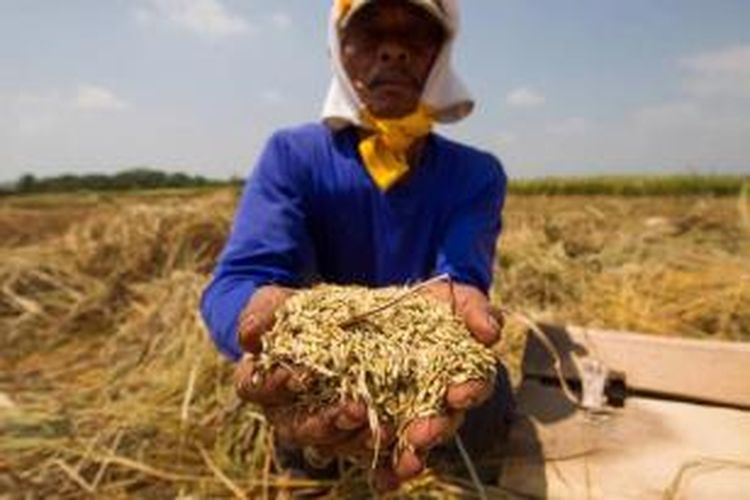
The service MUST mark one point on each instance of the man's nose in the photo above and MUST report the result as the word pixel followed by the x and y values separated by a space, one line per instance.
pixel 391 51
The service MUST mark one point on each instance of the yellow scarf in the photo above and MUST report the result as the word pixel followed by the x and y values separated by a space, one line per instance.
pixel 385 151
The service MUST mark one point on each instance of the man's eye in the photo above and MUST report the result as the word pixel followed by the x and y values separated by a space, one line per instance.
pixel 421 39
pixel 365 40
pixel 421 45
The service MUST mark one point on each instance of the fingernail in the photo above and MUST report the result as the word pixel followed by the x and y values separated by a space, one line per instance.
pixel 409 466
pixel 494 326
pixel 493 323
pixel 249 338
pixel 247 323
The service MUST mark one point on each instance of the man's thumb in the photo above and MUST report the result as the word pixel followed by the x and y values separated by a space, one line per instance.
pixel 259 316
pixel 482 323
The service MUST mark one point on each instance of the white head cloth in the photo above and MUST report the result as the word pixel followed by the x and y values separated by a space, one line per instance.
pixel 444 91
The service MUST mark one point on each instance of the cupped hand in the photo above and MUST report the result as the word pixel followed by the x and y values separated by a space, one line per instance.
pixel 337 429
pixel 342 429
pixel 485 324
pixel 423 434
pixel 333 428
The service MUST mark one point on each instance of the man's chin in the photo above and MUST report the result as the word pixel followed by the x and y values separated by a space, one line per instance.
pixel 392 110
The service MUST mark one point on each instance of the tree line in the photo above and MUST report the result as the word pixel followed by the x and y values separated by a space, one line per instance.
pixel 633 185
pixel 132 179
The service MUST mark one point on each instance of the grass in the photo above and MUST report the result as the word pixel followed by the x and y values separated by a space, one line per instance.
pixel 674 185
pixel 111 385
pixel 606 185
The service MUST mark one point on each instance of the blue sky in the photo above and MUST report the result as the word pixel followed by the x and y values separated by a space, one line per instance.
pixel 563 87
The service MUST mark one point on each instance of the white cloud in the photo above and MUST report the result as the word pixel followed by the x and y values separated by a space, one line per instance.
pixel 675 135
pixel 506 138
pixel 719 73
pixel 8 126
pixel 573 125
pixel 281 20
pixel 96 98
pixel 35 112
pixel 669 115
pixel 272 97
pixel 524 97
pixel 730 60
pixel 144 15
pixel 204 17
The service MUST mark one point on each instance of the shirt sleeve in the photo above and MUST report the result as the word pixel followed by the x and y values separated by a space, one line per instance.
pixel 268 244
pixel 467 250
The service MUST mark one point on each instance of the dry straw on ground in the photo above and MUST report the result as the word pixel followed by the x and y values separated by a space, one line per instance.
pixel 109 383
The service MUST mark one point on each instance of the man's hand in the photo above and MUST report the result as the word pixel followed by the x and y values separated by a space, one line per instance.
pixel 485 324
pixel 335 431
pixel 339 429
pixel 259 315
pixel 342 429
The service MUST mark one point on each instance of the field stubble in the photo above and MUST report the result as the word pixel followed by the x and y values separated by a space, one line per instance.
pixel 108 383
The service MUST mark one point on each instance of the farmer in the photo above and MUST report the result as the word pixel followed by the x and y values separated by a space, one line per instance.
pixel 370 196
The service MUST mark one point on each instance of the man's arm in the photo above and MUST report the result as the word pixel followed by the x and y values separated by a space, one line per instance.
pixel 467 250
pixel 268 244
pixel 269 252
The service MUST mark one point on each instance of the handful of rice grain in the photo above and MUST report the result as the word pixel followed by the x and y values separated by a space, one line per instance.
pixel 395 350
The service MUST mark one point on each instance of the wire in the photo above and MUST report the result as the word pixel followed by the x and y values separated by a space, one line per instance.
pixel 470 466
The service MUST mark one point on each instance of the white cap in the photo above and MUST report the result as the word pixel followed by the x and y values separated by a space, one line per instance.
pixel 434 7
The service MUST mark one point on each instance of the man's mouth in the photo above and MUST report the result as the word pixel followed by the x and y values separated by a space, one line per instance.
pixel 386 82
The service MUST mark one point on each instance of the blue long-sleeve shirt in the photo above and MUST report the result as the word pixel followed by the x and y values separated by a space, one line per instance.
pixel 310 213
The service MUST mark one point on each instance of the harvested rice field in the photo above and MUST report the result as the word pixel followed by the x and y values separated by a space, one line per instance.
pixel 110 387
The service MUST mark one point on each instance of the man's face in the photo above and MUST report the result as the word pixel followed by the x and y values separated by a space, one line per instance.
pixel 388 49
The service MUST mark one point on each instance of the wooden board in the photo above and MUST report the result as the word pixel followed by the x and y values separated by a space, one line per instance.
pixel 699 370
pixel 650 449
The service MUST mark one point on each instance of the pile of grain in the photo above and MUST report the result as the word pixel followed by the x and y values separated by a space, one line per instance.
pixel 395 350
